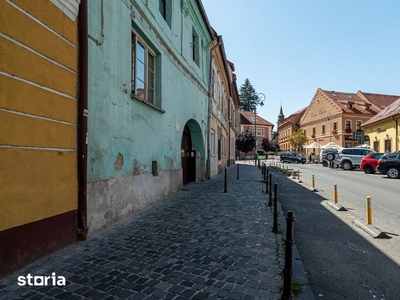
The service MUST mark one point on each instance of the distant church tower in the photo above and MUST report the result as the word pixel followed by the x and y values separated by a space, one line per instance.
pixel 280 118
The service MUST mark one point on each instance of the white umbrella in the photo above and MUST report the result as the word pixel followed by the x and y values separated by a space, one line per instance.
pixel 331 145
pixel 313 145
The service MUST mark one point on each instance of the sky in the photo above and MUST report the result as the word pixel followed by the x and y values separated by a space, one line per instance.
pixel 290 48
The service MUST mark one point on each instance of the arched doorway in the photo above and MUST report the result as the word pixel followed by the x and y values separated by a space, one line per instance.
pixel 188 157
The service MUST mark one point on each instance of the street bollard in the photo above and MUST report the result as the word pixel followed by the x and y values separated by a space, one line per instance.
pixel 293 174
pixel 275 228
pixel 298 175
pixel 237 175
pixel 288 269
pixel 335 193
pixel 270 190
pixel 313 181
pixel 265 172
pixel 225 190
pixel 266 182
pixel 287 171
pixel 369 210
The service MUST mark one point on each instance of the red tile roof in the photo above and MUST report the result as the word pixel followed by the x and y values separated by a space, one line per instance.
pixel 387 113
pixel 247 117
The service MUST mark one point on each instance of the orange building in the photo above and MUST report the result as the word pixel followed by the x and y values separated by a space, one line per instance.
pixel 338 117
pixel 253 122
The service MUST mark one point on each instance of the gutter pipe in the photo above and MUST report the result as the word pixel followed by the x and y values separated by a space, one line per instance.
pixel 82 133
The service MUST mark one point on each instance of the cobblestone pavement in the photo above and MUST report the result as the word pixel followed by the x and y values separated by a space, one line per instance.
pixel 198 243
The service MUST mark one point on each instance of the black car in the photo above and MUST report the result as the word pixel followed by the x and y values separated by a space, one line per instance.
pixel 292 157
pixel 389 165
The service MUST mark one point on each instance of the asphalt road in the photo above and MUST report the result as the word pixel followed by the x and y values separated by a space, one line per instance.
pixel 340 259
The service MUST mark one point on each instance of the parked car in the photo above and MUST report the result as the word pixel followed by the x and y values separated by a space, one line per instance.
pixel 389 165
pixel 350 158
pixel 370 162
pixel 292 157
pixel 322 156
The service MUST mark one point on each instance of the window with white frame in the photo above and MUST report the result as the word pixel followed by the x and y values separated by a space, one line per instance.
pixel 143 71
pixel 358 125
pixel 260 131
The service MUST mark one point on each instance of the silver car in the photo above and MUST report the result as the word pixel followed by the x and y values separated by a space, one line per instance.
pixel 350 158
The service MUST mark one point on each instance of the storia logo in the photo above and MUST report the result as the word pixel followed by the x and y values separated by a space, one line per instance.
pixel 41 280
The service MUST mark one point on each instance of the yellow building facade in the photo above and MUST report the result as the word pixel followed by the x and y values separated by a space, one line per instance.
pixel 383 129
pixel 38 151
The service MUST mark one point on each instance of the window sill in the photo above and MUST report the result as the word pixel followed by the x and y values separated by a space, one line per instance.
pixel 148 104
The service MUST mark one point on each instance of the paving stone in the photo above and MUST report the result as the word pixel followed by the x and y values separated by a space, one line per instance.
pixel 198 243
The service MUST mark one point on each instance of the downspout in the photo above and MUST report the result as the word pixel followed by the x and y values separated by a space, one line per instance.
pixel 397 133
pixel 209 110
pixel 82 228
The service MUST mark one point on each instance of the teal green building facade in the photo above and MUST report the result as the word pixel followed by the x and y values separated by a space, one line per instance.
pixel 148 104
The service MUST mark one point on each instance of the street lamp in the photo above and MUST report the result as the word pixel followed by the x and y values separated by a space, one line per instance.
pixel 261 97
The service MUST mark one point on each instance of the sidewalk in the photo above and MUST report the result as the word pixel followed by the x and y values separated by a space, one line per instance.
pixel 198 243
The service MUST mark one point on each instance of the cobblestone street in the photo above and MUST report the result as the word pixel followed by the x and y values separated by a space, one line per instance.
pixel 198 243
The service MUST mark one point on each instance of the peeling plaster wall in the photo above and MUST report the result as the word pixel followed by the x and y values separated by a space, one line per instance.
pixel 128 140
pixel 112 199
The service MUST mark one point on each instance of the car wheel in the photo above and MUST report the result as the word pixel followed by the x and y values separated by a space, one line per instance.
pixel 393 172
pixel 368 169
pixel 347 165
pixel 296 162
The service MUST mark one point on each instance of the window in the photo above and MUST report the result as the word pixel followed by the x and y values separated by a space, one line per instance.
pixel 143 70
pixel 335 126
pixel 358 125
pixel 388 146
pixel 212 142
pixel 260 131
pixel 195 47
pixel 323 129
pixel 164 6
pixel 348 125
pixel 313 131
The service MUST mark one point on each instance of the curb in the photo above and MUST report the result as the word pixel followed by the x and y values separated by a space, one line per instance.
pixel 371 230
pixel 336 206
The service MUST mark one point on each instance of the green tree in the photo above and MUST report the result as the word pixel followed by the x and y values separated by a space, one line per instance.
pixel 248 97
pixel 297 139
pixel 245 141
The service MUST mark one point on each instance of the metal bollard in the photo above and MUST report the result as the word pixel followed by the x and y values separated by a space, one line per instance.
pixel 270 190
pixel 266 180
pixel 225 190
pixel 237 175
pixel 313 181
pixel 288 269
pixel 369 210
pixel 335 193
pixel 275 228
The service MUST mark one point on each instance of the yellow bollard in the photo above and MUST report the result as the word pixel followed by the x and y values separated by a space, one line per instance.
pixel 298 175
pixel 293 174
pixel 335 193
pixel 313 181
pixel 287 171
pixel 369 210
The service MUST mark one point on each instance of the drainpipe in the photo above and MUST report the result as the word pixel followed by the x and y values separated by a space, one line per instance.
pixel 397 133
pixel 82 228
pixel 209 110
